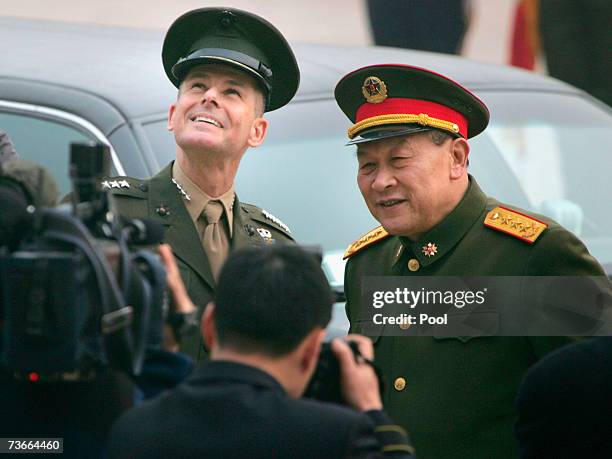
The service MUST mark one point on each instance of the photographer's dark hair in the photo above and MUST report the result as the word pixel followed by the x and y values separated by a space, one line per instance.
pixel 270 298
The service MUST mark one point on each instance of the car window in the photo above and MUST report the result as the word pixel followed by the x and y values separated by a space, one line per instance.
pixel 305 175
pixel 161 140
pixel 43 141
pixel 557 148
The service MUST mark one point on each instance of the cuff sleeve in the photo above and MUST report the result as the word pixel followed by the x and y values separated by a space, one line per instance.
pixel 392 438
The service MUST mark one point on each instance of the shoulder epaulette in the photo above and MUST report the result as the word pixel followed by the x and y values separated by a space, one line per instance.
pixel 515 224
pixel 265 216
pixel 125 186
pixel 368 239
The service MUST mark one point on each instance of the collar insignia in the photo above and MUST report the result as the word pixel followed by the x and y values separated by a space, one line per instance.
pixel 183 193
pixel 430 249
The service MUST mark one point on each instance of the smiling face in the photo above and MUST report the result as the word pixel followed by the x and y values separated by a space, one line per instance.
pixel 410 183
pixel 218 110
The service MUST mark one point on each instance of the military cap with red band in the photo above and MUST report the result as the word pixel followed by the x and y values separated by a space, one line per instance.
pixel 392 99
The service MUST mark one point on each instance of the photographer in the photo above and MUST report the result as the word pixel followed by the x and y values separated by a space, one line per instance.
pixel 22 184
pixel 265 333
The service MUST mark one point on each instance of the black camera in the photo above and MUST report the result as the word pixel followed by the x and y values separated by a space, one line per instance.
pixel 78 293
pixel 325 382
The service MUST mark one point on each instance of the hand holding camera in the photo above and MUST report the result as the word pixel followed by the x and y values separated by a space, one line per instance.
pixel 183 317
pixel 358 379
pixel 346 375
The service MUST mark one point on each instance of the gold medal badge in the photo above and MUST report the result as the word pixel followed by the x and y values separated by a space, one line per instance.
pixel 374 90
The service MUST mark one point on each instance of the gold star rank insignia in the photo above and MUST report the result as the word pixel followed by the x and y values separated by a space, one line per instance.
pixel 515 224
pixel 373 236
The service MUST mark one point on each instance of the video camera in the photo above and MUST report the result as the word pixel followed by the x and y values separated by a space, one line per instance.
pixel 78 293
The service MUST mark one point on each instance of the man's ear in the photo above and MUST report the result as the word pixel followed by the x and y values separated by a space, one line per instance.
pixel 208 327
pixel 170 115
pixel 258 132
pixel 312 349
pixel 460 150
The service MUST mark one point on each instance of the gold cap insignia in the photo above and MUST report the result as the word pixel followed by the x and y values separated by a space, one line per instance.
pixel 374 90
pixel 516 224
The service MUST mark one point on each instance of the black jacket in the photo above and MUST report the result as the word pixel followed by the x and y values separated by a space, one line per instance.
pixel 230 410
pixel 565 401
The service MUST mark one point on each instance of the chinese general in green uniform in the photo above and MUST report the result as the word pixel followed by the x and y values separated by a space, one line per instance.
pixel 454 395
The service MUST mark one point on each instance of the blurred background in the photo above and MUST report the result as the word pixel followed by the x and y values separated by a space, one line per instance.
pixel 569 39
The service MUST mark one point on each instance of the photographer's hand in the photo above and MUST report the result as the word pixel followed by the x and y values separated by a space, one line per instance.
pixel 358 379
pixel 181 301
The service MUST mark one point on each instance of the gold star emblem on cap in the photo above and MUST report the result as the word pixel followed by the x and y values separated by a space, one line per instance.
pixel 430 249
pixel 374 90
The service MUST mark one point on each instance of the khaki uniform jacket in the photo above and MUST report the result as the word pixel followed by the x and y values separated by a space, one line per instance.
pixel 455 396
pixel 160 200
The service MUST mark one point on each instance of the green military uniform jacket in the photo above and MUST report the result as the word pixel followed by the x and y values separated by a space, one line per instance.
pixel 159 199
pixel 454 395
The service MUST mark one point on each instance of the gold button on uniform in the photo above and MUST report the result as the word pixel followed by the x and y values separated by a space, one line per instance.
pixel 413 264
pixel 405 325
pixel 399 384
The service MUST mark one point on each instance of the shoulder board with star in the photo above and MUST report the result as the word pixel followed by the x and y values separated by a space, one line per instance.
pixel 126 186
pixel 514 223
pixel 264 216
pixel 377 234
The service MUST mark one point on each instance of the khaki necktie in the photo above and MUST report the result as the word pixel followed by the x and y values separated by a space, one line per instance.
pixel 215 245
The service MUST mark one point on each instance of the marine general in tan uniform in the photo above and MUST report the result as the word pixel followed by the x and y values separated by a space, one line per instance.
pixel 230 67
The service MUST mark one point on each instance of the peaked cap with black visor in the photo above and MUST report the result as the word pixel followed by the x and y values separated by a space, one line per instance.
pixel 236 38
pixel 391 100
